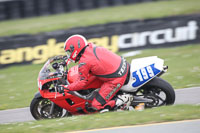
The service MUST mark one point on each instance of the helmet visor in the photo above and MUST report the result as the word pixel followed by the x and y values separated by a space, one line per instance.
pixel 68 53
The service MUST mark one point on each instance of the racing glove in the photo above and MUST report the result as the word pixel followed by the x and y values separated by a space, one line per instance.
pixel 62 88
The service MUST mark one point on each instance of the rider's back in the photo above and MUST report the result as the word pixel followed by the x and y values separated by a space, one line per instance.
pixel 100 60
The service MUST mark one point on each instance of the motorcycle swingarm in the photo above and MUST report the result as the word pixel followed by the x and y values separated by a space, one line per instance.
pixel 138 100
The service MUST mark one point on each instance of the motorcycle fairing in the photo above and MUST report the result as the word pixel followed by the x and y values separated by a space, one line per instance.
pixel 142 71
pixel 47 74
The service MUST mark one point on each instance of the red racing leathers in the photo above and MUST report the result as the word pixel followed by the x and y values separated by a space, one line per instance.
pixel 108 67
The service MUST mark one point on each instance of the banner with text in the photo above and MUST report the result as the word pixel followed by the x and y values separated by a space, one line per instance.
pixel 134 34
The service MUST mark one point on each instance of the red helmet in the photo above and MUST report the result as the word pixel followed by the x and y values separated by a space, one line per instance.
pixel 74 45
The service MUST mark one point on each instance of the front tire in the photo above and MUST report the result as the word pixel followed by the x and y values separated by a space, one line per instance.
pixel 160 91
pixel 40 109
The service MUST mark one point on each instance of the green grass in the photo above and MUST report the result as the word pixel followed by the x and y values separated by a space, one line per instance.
pixel 19 83
pixel 110 119
pixel 183 62
pixel 99 16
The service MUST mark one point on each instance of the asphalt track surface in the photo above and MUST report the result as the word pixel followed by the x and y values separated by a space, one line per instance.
pixel 183 96
pixel 188 126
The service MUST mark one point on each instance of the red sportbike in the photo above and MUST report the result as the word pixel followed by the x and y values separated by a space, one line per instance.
pixel 142 82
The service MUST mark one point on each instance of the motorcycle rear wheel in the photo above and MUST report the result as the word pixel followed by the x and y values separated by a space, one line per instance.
pixel 158 90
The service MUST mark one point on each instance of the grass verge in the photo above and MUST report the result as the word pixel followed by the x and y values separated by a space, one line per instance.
pixel 19 83
pixel 99 16
pixel 111 119
pixel 183 62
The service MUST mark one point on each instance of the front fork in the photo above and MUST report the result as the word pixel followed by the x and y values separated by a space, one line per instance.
pixel 52 108
pixel 37 95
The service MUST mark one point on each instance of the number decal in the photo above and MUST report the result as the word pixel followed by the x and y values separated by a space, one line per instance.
pixel 150 71
pixel 139 75
pixel 145 73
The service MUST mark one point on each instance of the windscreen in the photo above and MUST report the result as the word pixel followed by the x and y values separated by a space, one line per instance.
pixel 54 67
pixel 46 70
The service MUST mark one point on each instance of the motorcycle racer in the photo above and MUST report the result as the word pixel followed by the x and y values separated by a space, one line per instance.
pixel 102 63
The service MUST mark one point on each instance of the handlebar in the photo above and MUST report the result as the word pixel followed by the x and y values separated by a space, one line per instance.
pixel 87 97
pixel 77 94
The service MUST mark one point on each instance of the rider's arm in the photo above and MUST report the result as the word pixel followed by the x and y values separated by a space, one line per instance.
pixel 81 82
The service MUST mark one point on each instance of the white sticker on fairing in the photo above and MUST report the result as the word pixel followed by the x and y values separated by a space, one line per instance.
pixel 39 85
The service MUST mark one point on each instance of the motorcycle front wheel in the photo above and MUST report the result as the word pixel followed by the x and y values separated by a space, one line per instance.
pixel 40 109
pixel 159 91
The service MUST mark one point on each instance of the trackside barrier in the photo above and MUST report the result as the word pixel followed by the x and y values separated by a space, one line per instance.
pixel 13 9
pixel 133 34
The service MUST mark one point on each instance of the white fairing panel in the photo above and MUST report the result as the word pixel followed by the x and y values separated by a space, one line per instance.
pixel 143 70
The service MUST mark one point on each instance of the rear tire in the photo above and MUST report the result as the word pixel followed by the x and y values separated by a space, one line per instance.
pixel 154 88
